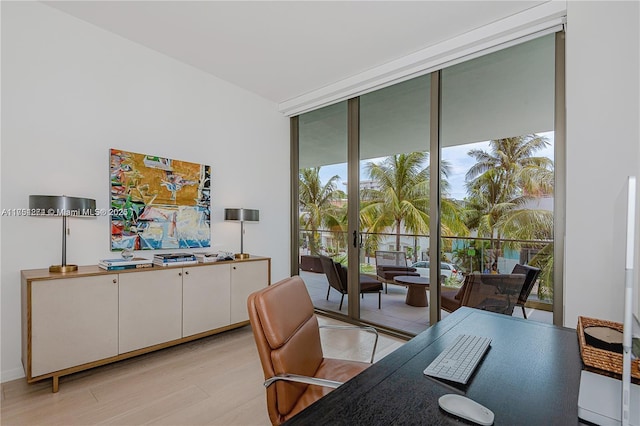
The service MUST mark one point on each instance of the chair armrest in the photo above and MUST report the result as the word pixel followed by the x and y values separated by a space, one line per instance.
pixel 357 327
pixel 302 379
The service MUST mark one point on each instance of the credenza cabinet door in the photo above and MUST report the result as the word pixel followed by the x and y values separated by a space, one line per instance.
pixel 205 298
pixel 150 308
pixel 74 321
pixel 246 277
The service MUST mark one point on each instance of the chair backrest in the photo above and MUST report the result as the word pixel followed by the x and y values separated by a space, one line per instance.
pixel 463 289
pixel 286 332
pixel 493 292
pixel 532 274
pixel 334 275
pixel 391 258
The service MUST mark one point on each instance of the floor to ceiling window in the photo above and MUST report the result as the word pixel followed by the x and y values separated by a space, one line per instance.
pixel 497 141
pixel 394 190
pixel 496 172
pixel 322 204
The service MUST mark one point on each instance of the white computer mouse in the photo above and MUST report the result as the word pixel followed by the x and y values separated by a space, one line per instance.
pixel 466 408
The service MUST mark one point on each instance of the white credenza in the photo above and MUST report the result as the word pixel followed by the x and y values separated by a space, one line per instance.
pixel 206 297
pixel 90 317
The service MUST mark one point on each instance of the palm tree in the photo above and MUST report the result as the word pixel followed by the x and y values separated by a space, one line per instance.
pixel 501 183
pixel 544 260
pixel 319 204
pixel 402 197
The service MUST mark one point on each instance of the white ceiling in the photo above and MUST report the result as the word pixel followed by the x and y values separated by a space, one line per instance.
pixel 283 49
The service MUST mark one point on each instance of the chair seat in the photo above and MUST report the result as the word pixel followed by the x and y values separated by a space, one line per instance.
pixel 332 369
pixel 369 285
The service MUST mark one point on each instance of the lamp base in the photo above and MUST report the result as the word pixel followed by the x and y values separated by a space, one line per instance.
pixel 63 268
pixel 241 255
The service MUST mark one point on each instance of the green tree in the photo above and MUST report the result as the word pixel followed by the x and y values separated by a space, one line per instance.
pixel 544 260
pixel 501 185
pixel 319 205
pixel 401 199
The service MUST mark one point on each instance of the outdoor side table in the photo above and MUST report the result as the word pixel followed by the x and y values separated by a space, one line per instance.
pixel 416 289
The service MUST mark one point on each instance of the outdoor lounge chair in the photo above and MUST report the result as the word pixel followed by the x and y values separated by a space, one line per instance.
pixel 532 275
pixel 452 298
pixel 390 264
pixel 337 277
pixel 493 292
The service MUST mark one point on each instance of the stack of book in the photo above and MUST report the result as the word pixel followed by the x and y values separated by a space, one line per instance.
pixel 174 259
pixel 206 257
pixel 122 264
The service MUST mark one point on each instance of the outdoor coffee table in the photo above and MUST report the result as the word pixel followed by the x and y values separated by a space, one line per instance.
pixel 416 289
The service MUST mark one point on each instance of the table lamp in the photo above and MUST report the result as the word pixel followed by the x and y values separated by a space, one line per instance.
pixel 241 215
pixel 61 205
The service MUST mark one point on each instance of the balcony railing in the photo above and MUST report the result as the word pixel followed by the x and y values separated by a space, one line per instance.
pixel 470 254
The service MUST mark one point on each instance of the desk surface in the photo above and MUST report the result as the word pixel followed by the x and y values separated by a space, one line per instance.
pixel 530 375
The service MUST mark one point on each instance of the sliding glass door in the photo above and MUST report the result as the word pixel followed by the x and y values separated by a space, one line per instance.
pixel 488 126
pixel 322 204
pixel 394 192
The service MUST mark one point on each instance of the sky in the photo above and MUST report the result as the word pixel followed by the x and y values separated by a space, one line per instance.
pixel 458 159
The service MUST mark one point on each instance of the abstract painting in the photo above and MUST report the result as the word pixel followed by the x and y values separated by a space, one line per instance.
pixel 158 203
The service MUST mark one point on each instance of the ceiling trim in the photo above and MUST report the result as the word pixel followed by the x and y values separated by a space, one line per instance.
pixel 537 21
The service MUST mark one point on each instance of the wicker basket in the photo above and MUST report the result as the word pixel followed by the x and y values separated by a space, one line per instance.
pixel 600 360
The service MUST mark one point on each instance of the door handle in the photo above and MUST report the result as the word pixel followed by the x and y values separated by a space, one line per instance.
pixel 355 239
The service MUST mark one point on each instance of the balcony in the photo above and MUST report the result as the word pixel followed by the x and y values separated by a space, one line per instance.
pixel 466 253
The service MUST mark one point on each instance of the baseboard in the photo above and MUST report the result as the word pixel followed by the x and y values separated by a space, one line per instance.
pixel 8 375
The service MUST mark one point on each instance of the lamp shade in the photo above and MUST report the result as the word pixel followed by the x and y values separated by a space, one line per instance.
pixel 61 205
pixel 242 215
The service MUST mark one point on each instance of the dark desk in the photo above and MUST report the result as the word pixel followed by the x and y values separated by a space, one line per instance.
pixel 529 376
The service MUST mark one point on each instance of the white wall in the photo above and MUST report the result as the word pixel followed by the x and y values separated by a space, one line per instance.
pixel 71 91
pixel 603 144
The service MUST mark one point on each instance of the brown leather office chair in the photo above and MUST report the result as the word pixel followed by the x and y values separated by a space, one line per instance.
pixel 287 335
pixel 338 279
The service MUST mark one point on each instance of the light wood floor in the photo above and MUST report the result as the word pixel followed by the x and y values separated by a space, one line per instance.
pixel 213 381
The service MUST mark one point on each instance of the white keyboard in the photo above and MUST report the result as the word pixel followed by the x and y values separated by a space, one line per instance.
pixel 459 360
